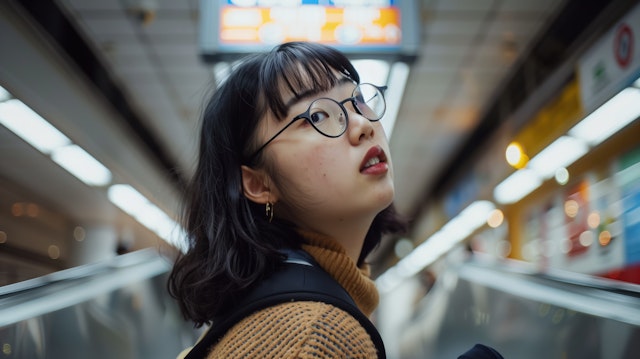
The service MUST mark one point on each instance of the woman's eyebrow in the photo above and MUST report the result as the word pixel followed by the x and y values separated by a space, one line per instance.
pixel 309 93
pixel 346 80
pixel 299 98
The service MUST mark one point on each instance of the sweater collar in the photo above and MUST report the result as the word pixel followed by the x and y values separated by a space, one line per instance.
pixel 332 257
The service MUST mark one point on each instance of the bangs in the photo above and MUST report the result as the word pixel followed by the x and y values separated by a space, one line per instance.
pixel 301 70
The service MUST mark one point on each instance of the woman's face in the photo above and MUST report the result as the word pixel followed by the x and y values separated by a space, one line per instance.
pixel 321 180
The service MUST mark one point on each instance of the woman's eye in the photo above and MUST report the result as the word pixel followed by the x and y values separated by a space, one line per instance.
pixel 318 117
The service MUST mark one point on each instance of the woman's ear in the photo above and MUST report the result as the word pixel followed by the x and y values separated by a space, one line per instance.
pixel 255 185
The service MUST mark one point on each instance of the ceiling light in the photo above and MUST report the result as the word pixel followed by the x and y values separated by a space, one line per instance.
pixel 517 186
pixel 148 214
pixel 221 71
pixel 172 233
pixel 82 165
pixel 161 224
pixel 609 118
pixel 372 71
pixel 475 215
pixel 398 76
pixel 4 94
pixel 127 199
pixel 515 155
pixel 425 254
pixel 28 125
pixel 561 153
pixel 496 217
pixel 562 176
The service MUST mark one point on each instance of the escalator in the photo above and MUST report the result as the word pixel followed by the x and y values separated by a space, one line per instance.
pixel 524 314
pixel 121 309
pixel 114 309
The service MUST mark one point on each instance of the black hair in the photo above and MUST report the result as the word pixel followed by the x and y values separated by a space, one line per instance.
pixel 231 244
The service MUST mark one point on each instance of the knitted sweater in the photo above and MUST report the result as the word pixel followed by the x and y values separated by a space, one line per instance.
pixel 309 329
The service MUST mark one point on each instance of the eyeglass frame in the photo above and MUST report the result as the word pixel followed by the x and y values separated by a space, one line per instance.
pixel 307 116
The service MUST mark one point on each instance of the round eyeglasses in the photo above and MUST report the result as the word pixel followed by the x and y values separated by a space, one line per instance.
pixel 329 117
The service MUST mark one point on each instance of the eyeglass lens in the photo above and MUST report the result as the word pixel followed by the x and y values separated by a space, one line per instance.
pixel 328 116
pixel 370 101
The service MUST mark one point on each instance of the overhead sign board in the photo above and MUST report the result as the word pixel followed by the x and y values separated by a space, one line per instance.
pixel 372 28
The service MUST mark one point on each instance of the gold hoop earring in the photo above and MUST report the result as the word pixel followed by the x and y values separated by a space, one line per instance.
pixel 268 209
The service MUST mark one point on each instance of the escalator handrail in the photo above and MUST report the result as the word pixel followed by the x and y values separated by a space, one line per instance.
pixel 603 298
pixel 60 290
pixel 78 272
pixel 562 276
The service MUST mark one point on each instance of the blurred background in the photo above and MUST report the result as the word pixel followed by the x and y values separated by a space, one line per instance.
pixel 513 131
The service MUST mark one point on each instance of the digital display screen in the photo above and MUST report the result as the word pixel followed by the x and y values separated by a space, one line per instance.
pixel 372 28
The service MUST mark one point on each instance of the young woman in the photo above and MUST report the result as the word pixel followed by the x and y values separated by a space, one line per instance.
pixel 293 164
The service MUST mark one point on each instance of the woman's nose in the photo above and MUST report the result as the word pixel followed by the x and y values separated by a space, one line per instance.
pixel 360 128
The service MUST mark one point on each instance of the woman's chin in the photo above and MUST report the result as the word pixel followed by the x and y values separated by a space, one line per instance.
pixel 386 198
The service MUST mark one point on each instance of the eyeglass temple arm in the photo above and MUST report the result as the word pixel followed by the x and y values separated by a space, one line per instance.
pixel 253 156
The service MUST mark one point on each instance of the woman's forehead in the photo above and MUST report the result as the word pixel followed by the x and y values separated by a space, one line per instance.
pixel 308 80
pixel 298 80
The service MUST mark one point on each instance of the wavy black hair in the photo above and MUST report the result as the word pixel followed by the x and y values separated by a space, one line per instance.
pixel 231 245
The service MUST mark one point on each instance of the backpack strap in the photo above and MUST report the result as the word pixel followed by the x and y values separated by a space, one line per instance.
pixel 299 280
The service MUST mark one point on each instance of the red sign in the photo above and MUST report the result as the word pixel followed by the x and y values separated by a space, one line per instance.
pixel 623 45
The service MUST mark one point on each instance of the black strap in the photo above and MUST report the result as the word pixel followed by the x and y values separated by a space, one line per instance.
pixel 480 351
pixel 295 282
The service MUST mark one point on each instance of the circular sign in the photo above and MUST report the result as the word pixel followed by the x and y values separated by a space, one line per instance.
pixel 623 45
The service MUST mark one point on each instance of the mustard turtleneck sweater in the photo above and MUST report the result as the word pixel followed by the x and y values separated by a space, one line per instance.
pixel 309 329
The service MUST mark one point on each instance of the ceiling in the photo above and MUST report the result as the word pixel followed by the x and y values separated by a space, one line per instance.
pixel 468 48
pixel 152 78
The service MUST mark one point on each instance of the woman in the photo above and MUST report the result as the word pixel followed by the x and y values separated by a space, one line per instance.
pixel 293 161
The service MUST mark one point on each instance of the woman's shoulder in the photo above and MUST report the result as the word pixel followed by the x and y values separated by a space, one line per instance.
pixel 297 330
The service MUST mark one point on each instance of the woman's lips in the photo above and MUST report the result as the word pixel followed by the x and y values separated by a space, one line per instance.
pixel 374 162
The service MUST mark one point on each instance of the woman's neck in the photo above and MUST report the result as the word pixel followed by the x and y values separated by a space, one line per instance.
pixel 349 234
pixel 349 230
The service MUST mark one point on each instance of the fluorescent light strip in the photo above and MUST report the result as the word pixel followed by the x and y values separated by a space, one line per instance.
pixel 127 198
pixel 372 71
pixel 146 213
pixel 601 124
pixel 456 230
pixel 31 127
pixel 221 71
pixel 35 130
pixel 4 94
pixel 609 118
pixel 82 165
pixel 561 153
pixel 397 83
pixel 517 186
